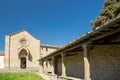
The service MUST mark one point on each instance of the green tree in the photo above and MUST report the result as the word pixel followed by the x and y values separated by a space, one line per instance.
pixel 110 11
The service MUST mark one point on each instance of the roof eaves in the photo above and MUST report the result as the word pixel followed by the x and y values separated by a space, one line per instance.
pixel 45 45
pixel 84 36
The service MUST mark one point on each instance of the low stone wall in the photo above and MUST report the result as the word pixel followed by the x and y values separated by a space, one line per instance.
pixel 68 78
pixel 52 77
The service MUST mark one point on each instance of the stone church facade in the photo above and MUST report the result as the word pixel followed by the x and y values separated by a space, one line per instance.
pixel 22 51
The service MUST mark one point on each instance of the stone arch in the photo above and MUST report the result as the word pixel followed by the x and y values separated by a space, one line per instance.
pixel 23 52
pixel 23 61
pixel 26 53
pixel 21 48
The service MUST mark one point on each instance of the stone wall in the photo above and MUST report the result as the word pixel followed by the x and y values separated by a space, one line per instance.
pixel 46 51
pixel 74 66
pixel 1 62
pixel 58 66
pixel 105 62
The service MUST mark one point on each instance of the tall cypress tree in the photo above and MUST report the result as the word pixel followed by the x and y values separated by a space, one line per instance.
pixel 110 11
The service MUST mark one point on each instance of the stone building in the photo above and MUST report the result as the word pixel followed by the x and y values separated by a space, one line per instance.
pixel 94 56
pixel 22 51
pixel 1 60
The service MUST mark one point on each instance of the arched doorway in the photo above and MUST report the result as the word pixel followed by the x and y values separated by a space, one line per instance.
pixel 23 60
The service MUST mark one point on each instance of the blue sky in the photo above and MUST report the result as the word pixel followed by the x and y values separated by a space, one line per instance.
pixel 54 22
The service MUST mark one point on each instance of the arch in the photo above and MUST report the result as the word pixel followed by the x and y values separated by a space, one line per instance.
pixel 23 61
pixel 23 52
pixel 21 48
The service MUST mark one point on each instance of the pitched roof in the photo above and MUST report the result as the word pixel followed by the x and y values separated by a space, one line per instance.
pixel 20 32
pixel 2 53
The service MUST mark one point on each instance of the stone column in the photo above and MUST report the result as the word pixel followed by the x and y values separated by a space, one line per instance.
pixel 46 68
pixel 63 65
pixel 86 62
pixel 41 67
pixel 52 61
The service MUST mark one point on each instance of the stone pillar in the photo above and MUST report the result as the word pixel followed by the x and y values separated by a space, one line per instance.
pixel 63 65
pixel 52 61
pixel 41 67
pixel 46 68
pixel 86 62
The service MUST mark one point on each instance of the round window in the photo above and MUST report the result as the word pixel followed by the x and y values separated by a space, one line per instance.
pixel 23 42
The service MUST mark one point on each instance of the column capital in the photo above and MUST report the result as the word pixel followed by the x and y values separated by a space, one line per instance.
pixel 85 45
pixel 63 54
pixel 52 57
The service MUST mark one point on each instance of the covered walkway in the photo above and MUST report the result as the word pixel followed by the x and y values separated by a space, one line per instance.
pixel 94 56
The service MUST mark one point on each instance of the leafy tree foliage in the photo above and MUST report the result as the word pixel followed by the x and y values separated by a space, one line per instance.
pixel 110 11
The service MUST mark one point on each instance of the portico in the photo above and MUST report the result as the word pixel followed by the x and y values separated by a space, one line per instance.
pixel 77 59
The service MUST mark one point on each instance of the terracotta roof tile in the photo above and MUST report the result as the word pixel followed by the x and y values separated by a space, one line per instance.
pixel 2 53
